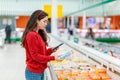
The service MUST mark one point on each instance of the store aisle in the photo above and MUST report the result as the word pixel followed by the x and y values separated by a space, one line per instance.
pixel 12 62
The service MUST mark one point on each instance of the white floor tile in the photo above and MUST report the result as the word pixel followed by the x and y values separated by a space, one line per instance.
pixel 12 62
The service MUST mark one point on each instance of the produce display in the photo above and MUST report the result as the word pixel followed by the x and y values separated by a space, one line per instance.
pixel 74 67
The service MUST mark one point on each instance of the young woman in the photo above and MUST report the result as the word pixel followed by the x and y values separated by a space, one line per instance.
pixel 34 40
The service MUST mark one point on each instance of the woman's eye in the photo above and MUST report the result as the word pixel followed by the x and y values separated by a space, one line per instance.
pixel 45 21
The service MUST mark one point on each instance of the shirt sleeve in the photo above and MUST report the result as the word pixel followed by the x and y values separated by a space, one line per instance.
pixel 49 51
pixel 32 43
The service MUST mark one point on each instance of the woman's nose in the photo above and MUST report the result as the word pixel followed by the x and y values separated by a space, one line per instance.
pixel 45 24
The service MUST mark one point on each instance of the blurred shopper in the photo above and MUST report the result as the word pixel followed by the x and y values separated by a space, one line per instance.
pixel 70 29
pixel 8 34
pixel 90 34
pixel 34 40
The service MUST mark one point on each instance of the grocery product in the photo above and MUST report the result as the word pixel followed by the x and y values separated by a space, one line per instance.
pixel 73 67
pixel 66 54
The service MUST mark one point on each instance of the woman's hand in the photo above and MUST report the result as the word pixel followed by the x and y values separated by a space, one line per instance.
pixel 58 58
pixel 54 50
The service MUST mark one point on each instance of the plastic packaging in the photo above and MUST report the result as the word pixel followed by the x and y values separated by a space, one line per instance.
pixel 66 54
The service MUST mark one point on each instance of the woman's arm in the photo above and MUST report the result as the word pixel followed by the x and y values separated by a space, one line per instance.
pixel 37 55
pixel 49 51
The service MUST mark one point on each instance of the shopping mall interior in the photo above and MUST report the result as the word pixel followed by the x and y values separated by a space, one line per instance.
pixel 89 29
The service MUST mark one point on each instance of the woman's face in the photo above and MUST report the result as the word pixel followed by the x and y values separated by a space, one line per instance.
pixel 41 24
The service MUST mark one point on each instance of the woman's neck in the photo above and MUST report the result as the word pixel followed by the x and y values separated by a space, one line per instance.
pixel 36 30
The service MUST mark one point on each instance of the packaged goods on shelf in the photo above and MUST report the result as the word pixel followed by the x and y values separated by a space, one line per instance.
pixel 66 54
pixel 83 71
pixel 105 48
pixel 75 67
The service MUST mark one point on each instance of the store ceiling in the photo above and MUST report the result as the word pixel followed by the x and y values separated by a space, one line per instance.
pixel 26 7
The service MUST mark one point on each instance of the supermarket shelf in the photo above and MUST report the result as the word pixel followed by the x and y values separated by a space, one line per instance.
pixel 103 59
pixel 108 40
pixel 52 73
pixel 2 36
pixel 48 75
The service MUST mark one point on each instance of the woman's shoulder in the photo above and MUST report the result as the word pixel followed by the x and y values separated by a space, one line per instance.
pixel 32 34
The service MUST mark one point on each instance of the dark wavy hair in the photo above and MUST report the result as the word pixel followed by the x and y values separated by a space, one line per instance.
pixel 32 25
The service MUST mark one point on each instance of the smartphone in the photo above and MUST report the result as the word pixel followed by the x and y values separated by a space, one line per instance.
pixel 58 46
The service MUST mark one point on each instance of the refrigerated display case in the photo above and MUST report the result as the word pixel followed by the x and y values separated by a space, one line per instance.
pixel 94 65
pixel 49 74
